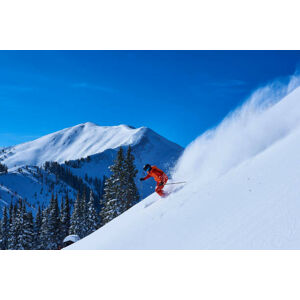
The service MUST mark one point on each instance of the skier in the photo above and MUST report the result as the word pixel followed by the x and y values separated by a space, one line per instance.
pixel 159 176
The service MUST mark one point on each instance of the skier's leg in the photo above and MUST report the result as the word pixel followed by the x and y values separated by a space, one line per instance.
pixel 159 190
pixel 165 179
pixel 161 185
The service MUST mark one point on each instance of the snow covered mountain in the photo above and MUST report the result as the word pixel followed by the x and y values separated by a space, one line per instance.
pixel 76 142
pixel 243 189
pixel 87 150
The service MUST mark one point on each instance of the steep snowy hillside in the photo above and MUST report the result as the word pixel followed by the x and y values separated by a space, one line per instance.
pixel 33 185
pixel 243 189
pixel 77 142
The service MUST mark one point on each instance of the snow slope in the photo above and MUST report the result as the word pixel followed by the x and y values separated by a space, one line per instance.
pixel 243 189
pixel 33 187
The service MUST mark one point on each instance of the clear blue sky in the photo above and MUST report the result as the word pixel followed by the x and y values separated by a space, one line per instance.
pixel 179 94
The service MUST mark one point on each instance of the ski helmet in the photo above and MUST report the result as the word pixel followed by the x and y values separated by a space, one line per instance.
pixel 147 167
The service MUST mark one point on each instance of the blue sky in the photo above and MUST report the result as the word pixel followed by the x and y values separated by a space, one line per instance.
pixel 179 94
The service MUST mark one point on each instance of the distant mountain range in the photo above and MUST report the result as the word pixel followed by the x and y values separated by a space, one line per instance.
pixel 87 150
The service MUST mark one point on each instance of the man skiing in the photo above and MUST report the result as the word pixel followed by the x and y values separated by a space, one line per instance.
pixel 159 176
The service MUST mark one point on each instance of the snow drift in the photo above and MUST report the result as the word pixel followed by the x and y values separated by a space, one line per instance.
pixel 243 186
pixel 247 131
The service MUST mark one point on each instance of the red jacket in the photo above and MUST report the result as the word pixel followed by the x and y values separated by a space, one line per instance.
pixel 158 175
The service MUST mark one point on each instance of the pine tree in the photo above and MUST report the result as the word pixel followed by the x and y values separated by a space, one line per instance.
pixel 43 237
pixel 50 238
pixel 23 226
pixel 54 237
pixel 62 236
pixel 92 219
pixel 131 196
pixel 84 213
pixel 37 228
pixel 114 190
pixel 10 213
pixel 65 217
pixel 28 232
pixel 19 226
pixel 102 192
pixel 12 236
pixel 4 229
pixel 77 218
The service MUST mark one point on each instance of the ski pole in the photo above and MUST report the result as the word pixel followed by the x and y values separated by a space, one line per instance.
pixel 175 183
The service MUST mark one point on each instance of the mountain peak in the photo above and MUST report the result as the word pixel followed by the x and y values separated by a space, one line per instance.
pixel 90 124
pixel 77 142
pixel 127 126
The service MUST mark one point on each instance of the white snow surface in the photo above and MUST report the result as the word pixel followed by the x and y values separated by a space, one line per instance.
pixel 71 143
pixel 243 189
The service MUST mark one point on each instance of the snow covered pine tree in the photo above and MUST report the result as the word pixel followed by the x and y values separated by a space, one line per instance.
pixel 120 189
pixel 4 228
pixel 92 221
pixel 131 194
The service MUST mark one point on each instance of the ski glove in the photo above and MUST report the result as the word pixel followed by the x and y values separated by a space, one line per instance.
pixel 142 179
pixel 161 183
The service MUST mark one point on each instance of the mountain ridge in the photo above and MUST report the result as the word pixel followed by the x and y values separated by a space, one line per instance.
pixel 75 142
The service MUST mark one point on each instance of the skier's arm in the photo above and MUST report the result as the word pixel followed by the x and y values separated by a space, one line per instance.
pixel 145 178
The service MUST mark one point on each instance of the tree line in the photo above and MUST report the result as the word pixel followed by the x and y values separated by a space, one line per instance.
pixel 20 230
